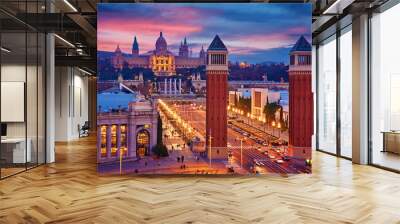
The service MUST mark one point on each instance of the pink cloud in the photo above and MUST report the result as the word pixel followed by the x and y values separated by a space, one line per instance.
pixel 258 42
pixel 117 31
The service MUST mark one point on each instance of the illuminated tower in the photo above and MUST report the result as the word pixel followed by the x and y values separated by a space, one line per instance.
pixel 300 100
pixel 216 111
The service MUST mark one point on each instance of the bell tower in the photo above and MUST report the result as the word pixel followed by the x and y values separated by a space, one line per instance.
pixel 300 100
pixel 217 91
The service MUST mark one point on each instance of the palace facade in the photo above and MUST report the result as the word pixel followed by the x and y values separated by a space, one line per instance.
pixel 162 61
pixel 132 132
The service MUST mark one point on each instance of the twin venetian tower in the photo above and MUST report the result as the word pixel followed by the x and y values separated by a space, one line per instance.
pixel 217 91
pixel 300 100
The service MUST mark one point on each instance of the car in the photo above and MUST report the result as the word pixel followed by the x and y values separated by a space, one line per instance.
pixel 275 143
pixel 279 161
pixel 271 156
pixel 264 144
pixel 255 161
pixel 285 158
pixel 265 153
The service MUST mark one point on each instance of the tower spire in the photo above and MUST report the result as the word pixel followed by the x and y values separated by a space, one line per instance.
pixel 135 47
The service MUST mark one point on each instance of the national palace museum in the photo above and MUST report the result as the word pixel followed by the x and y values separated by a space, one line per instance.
pixel 162 61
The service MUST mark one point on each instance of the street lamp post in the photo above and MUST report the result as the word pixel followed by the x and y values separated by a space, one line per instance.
pixel 209 149
pixel 279 129
pixel 241 151
pixel 264 122
pixel 273 128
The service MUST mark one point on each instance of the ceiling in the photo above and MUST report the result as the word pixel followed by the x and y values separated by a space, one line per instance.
pixel 74 21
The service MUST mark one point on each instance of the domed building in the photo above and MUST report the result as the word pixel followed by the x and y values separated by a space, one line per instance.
pixel 162 61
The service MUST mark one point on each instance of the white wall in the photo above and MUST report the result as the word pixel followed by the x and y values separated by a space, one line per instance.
pixel 71 102
pixel 314 90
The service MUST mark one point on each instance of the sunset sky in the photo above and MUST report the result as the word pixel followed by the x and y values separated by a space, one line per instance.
pixel 252 32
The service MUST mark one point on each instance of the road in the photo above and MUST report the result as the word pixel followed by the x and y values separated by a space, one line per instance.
pixel 252 151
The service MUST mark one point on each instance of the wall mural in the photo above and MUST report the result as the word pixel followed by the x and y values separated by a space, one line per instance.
pixel 196 88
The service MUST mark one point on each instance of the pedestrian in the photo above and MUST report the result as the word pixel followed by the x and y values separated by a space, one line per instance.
pixel 182 158
pixel 178 159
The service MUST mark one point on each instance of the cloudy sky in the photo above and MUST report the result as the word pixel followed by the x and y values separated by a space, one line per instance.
pixel 252 32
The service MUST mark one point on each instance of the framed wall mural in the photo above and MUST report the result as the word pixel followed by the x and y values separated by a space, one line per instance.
pixel 196 88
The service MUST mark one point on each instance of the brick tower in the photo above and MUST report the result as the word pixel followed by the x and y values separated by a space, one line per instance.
pixel 300 100
pixel 217 91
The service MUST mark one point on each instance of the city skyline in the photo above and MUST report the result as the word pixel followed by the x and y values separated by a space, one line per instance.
pixel 199 22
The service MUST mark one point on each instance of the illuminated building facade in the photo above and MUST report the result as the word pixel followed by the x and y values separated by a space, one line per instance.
pixel 162 61
pixel 132 132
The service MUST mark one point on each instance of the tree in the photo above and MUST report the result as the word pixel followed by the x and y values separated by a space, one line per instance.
pixel 160 149
pixel 235 100
pixel 159 131
pixel 270 110
pixel 244 104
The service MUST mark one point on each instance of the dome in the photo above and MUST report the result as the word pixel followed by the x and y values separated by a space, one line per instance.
pixel 161 44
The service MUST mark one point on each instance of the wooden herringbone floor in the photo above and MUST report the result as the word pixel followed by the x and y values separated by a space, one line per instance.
pixel 70 191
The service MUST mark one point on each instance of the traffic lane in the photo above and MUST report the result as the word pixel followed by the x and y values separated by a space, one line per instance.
pixel 197 120
pixel 250 151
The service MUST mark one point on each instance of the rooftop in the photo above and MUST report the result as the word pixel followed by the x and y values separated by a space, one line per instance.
pixel 301 45
pixel 217 44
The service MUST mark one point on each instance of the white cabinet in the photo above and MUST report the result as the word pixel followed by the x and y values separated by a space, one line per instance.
pixel 16 146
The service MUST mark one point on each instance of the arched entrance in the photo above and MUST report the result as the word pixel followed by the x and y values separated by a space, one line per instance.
pixel 142 143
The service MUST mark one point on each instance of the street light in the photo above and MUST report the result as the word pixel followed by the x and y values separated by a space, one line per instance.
pixel 273 127
pixel 241 151
pixel 279 128
pixel 264 121
pixel 209 148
